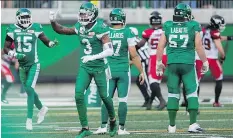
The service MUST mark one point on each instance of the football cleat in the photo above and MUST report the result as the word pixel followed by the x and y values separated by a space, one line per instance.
pixel 162 105
pixel 42 114
pixel 145 104
pixel 195 128
pixel 149 105
pixel 83 133
pixel 217 104
pixel 29 124
pixel 122 132
pixel 171 129
pixel 101 130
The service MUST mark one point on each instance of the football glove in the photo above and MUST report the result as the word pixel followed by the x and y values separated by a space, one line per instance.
pixel 205 67
pixel 87 58
pixel 13 54
pixel 159 68
pixel 52 16
pixel 222 59
pixel 53 43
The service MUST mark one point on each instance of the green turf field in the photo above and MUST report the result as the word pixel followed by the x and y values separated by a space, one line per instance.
pixel 62 122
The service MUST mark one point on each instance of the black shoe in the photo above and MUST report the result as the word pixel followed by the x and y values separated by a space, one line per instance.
pixel 162 105
pixel 145 104
pixel 149 105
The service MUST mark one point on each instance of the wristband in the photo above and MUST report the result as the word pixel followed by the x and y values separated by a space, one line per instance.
pixel 229 37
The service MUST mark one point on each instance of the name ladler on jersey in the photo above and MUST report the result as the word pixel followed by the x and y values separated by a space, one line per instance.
pixel 116 35
pixel 179 30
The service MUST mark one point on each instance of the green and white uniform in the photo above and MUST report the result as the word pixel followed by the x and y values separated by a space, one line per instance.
pixel 25 41
pixel 91 44
pixel 120 70
pixel 181 61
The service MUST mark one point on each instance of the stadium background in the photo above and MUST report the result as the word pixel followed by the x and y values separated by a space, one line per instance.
pixel 61 64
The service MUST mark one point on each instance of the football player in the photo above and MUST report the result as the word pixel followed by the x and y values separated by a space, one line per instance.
pixel 143 53
pixel 7 77
pixel 95 47
pixel 124 45
pixel 24 34
pixel 211 40
pixel 152 36
pixel 181 36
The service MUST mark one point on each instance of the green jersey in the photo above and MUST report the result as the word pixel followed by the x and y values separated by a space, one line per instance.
pixel 25 41
pixel 91 44
pixel 181 41
pixel 121 40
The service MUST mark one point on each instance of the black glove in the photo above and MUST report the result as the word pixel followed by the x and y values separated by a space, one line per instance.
pixel 222 59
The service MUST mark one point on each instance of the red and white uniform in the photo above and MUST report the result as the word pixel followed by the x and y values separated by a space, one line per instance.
pixel 6 61
pixel 152 36
pixel 211 52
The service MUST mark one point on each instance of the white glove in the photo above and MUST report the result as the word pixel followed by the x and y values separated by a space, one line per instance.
pixel 87 58
pixel 11 54
pixel 205 67
pixel 159 68
pixel 52 16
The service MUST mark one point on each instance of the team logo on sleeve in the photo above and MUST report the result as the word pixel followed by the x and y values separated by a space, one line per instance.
pixel 81 30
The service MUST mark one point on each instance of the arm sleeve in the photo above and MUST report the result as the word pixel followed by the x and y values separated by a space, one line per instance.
pixel 10 32
pixel 131 39
pixel 215 34
pixel 102 30
pixel 197 27
pixel 145 34
pixel 76 27
pixel 38 30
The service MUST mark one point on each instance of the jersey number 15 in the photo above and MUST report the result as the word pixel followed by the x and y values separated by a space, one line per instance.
pixel 26 41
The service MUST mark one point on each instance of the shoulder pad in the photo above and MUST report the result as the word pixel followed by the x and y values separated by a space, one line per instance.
pixel 147 33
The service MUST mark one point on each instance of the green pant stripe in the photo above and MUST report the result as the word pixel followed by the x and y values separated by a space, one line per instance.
pixel 36 76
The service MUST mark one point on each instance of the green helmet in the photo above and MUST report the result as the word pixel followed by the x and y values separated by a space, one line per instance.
pixel 88 13
pixel 23 17
pixel 182 12
pixel 117 16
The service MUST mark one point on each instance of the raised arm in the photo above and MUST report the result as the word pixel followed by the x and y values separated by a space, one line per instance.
pixel 59 28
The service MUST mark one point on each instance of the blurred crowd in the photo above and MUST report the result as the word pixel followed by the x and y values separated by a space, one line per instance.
pixel 122 3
